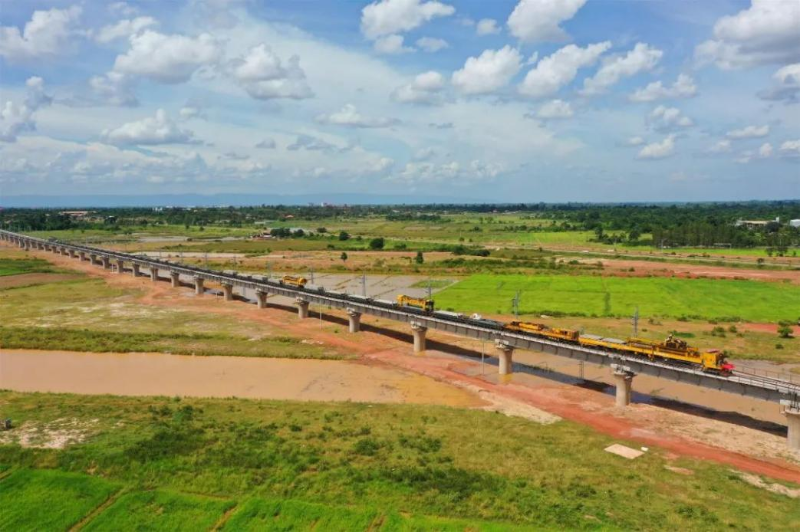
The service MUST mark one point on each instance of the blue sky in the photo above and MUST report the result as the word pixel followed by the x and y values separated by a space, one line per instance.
pixel 518 100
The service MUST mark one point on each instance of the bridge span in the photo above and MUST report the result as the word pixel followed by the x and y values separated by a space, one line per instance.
pixel 624 367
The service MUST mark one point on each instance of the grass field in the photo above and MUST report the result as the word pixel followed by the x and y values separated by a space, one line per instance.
pixel 614 296
pixel 410 460
pixel 160 510
pixel 18 266
pixel 34 500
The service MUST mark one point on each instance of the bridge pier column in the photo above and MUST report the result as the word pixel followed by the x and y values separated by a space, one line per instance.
pixel 153 274
pixel 302 308
pixel 792 414
pixel 135 270
pixel 120 267
pixel 106 262
pixel 198 286
pixel 82 255
pixel 354 317
pixel 92 259
pixel 21 244
pixel 261 296
pixel 504 353
pixel 418 330
pixel 227 292
pixel 72 253
pixel 175 279
pixel 623 378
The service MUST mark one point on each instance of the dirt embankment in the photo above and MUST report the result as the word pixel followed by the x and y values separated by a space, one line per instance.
pixel 383 344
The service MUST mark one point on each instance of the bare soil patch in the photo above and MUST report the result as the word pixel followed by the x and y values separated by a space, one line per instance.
pixel 643 268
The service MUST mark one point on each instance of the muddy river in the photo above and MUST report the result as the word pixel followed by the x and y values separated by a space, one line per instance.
pixel 263 378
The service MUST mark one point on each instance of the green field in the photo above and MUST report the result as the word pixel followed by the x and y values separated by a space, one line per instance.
pixel 19 266
pixel 617 296
pixel 428 465
pixel 160 510
pixel 34 500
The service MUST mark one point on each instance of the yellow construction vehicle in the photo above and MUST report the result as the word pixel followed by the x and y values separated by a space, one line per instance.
pixel 425 305
pixel 291 280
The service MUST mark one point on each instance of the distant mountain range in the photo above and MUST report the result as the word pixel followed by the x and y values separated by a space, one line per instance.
pixel 216 200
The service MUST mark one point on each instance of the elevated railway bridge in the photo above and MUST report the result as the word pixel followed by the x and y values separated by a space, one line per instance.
pixel 624 367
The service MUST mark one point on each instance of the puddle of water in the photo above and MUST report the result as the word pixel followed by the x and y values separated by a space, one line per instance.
pixel 263 378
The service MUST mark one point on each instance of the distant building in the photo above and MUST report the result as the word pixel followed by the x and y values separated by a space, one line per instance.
pixel 794 223
pixel 75 214
pixel 753 224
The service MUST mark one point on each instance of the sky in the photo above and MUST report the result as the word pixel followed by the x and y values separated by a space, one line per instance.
pixel 502 100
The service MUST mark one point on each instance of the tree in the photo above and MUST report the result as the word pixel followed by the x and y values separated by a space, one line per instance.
pixel 322 230
pixel 376 243
pixel 784 331
pixel 343 256
pixel 344 235
pixel 419 259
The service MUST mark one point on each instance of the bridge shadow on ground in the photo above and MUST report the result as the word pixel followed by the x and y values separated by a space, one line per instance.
pixel 551 374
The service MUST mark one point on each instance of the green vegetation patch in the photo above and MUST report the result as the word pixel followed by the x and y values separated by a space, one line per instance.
pixel 18 266
pixel 180 344
pixel 413 460
pixel 260 514
pixel 160 510
pixel 34 500
pixel 433 283
pixel 613 296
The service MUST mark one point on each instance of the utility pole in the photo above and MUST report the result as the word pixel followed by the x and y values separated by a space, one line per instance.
pixel 364 285
pixel 515 304
pixel 269 270
pixel 311 275
pixel 430 289
pixel 635 322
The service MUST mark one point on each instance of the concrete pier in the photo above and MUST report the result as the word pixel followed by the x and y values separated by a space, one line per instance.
pixel 82 255
pixel 623 378
pixel 135 269
pixel 175 279
pixel 792 413
pixel 227 291
pixel 504 354
pixel 153 274
pixel 120 267
pixel 92 258
pixel 418 330
pixel 261 296
pixel 302 308
pixel 72 253
pixel 198 286
pixel 354 318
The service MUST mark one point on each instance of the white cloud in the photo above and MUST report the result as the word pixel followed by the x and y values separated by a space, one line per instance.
pixel 765 150
pixel 114 88
pixel 744 157
pixel 266 144
pixel 539 20
pixel 492 70
pixel 555 109
pixel 264 76
pixel 350 117
pixel 635 141
pixel 429 44
pixel 311 143
pixel 487 26
pixel 47 34
pixel 124 29
pixel 189 112
pixel 748 132
pixel 767 32
pixel 425 89
pixel 658 150
pixel 787 84
pixel 381 165
pixel 557 70
pixel 665 118
pixel 391 44
pixel 168 58
pixel 122 8
pixel 387 17
pixel 683 87
pixel 790 148
pixel 722 146
pixel 641 58
pixel 150 131
pixel 17 118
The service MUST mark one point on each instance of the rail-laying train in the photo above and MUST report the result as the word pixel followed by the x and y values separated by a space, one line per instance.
pixel 671 349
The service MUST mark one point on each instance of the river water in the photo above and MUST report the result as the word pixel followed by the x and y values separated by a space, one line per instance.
pixel 200 376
